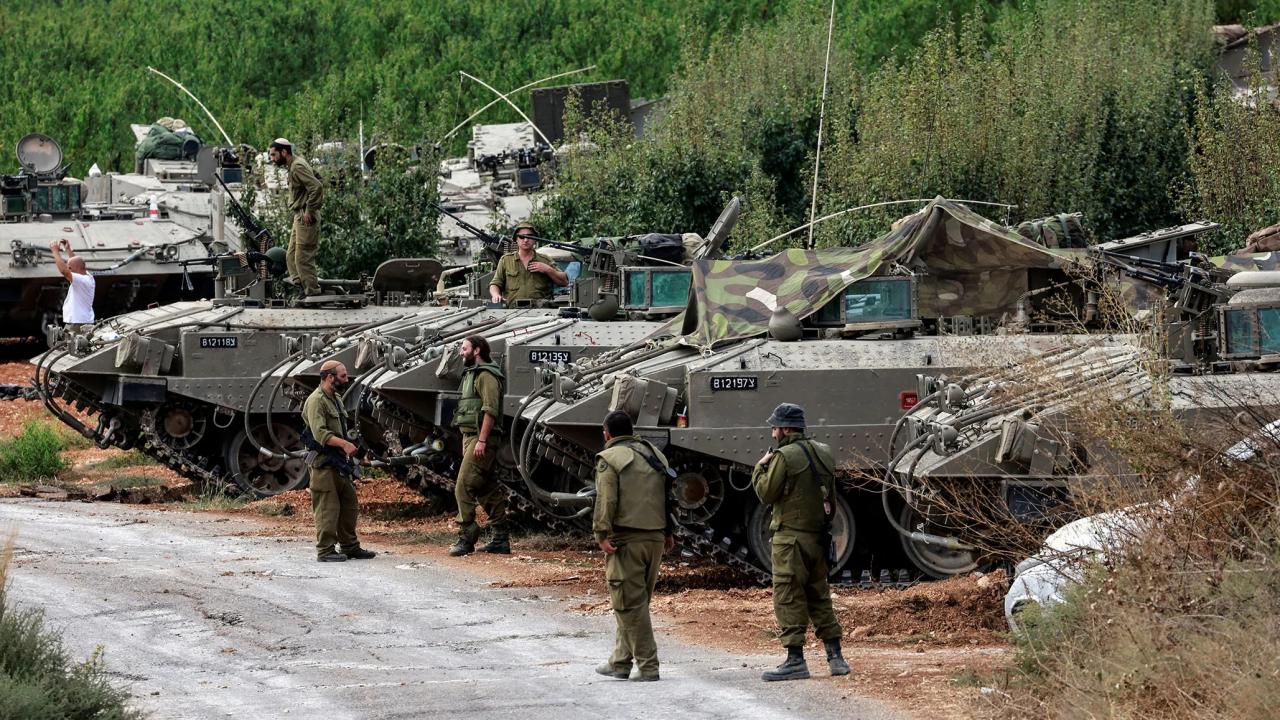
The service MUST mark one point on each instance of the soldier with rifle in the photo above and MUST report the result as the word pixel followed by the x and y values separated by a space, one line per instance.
pixel 798 479
pixel 333 469
pixel 633 527
pixel 525 274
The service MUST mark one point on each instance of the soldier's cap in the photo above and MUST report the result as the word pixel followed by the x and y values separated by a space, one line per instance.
pixel 524 226
pixel 787 415
pixel 282 144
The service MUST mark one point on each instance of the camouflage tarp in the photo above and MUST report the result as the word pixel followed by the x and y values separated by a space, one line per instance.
pixel 971 266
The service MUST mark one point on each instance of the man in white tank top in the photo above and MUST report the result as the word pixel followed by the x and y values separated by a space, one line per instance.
pixel 77 308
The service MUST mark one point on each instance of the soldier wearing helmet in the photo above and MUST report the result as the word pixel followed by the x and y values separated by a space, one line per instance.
pixel 798 479
pixel 305 195
pixel 525 274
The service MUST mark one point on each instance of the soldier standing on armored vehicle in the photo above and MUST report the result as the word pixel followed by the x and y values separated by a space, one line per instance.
pixel 305 195
pixel 525 274
pixel 479 418
pixel 798 479
pixel 77 309
pixel 333 490
pixel 633 528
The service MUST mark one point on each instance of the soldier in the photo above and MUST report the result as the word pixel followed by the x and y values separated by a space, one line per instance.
pixel 479 417
pixel 525 274
pixel 305 194
pixel 333 490
pixel 798 479
pixel 633 528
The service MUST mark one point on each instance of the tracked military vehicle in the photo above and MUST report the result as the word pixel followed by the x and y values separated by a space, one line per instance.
pixel 136 261
pixel 844 332
pixel 201 386
pixel 983 450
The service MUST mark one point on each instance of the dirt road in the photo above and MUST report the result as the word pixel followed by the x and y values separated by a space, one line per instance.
pixel 200 618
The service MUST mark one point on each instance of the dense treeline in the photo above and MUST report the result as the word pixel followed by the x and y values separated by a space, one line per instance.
pixel 1110 109
pixel 1052 105
pixel 316 68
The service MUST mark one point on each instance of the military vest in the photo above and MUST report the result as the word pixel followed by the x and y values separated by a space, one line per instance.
pixel 642 491
pixel 467 416
pixel 801 504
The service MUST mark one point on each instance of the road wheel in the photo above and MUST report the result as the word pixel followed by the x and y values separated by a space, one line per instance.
pixel 935 561
pixel 844 531
pixel 265 475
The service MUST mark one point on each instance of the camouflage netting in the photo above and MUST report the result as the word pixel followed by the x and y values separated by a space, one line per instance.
pixel 969 265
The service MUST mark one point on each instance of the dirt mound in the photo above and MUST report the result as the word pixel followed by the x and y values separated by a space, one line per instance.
pixel 959 609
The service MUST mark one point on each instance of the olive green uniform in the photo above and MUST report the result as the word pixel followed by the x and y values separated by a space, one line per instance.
pixel 305 193
pixel 517 282
pixel 630 510
pixel 481 395
pixel 333 493
pixel 800 591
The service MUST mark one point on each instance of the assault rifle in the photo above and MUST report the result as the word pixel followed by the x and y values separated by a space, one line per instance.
pixel 345 464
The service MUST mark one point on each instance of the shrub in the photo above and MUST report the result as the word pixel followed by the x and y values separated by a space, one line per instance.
pixel 38 679
pixel 35 454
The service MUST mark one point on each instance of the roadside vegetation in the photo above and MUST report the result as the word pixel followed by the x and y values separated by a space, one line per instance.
pixel 34 454
pixel 39 678
pixel 1175 617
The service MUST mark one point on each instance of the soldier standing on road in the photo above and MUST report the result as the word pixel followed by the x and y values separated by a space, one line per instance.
pixel 479 418
pixel 798 479
pixel 77 308
pixel 525 274
pixel 305 195
pixel 632 527
pixel 333 490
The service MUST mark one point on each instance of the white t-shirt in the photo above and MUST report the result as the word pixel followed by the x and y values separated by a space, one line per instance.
pixel 78 307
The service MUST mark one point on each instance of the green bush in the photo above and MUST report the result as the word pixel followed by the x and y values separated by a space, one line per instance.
pixel 35 454
pixel 1235 169
pixel 38 678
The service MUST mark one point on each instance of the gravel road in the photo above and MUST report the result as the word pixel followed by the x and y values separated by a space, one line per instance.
pixel 202 618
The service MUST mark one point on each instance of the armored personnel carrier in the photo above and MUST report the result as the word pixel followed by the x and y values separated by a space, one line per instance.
pixel 844 332
pixel 981 451
pixel 136 261
pixel 164 379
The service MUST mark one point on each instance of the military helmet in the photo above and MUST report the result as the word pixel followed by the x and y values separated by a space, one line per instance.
pixel 787 415
pixel 524 226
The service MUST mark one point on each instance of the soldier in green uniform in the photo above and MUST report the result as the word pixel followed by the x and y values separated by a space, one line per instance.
pixel 333 490
pixel 305 194
pixel 798 480
pixel 632 527
pixel 479 418
pixel 525 274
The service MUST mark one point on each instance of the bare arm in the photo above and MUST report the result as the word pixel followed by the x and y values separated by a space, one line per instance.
pixel 55 247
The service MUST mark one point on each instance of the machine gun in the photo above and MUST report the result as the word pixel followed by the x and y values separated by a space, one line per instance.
pixel 497 246
pixel 255 231
pixel 1192 288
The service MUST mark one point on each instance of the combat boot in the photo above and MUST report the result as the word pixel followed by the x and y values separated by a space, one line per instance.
pixel 608 670
pixel 466 544
pixel 500 543
pixel 835 660
pixel 793 668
